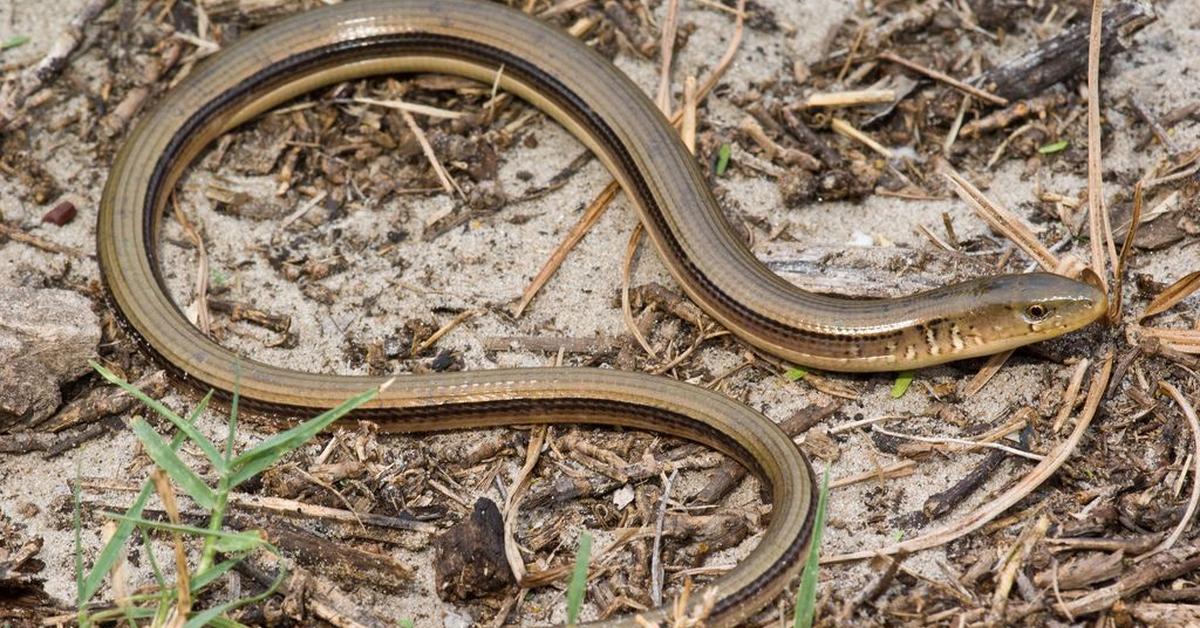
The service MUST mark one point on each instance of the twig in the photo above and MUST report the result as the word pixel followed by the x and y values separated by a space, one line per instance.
pixel 443 330
pixel 14 233
pixel 989 369
pixel 554 344
pixel 515 494
pixel 843 128
pixel 589 218
pixel 1002 146
pixel 278 323
pixel 730 473
pixel 667 47
pixel 597 207
pixel 1059 58
pixel 1020 551
pixel 791 156
pixel 1155 127
pixel 1189 412
pixel 897 470
pixel 1017 111
pixel 1172 295
pixel 1001 220
pixel 687 124
pixel 292 508
pixel 810 140
pixel 167 494
pixel 494 100
pixel 322 598
pixel 945 78
pixel 626 278
pixel 200 298
pixel 913 18
pixel 1181 340
pixel 1166 565
pixel 400 105
pixel 993 508
pixel 448 183
pixel 562 6
pixel 105 401
pixel 120 115
pixel 960 441
pixel 941 503
pixel 701 338
pixel 849 98
pixel 1099 222
pixel 1058 598
pixel 656 567
pixel 1072 392
pixel 956 127
pixel 739 27
pixel 303 209
pixel 1175 176
pixel 14 95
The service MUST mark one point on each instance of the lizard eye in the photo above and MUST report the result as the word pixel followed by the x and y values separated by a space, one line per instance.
pixel 1036 312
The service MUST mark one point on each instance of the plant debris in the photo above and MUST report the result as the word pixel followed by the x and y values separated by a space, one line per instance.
pixel 398 225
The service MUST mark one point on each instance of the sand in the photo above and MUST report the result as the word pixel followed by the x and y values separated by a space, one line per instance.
pixel 488 264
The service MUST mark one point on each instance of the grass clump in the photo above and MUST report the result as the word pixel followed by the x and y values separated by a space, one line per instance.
pixel 171 601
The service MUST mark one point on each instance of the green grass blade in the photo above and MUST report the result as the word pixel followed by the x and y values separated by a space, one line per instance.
pixel 110 616
pixel 148 549
pixel 199 581
pixel 77 525
pixel 795 374
pixel 239 542
pixel 236 538
pixel 806 596
pixel 207 446
pixel 165 457
pixel 265 454
pixel 14 41
pixel 233 411
pixel 578 585
pixel 406 623
pixel 111 550
pixel 210 615
pixel 723 155
pixel 1054 147
pixel 903 381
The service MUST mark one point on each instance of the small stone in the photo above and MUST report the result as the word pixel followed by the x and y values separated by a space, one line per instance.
pixel 28 395
pixel 623 496
pixel 393 347
pixel 861 240
pixel 446 360
pixel 469 559
pixel 800 72
pixel 454 619
pixel 46 339
pixel 62 213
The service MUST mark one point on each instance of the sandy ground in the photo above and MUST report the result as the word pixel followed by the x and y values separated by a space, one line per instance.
pixel 489 263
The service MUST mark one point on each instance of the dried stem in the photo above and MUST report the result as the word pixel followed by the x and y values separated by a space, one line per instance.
pixel 994 507
pixel 945 78
pixel 1189 412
